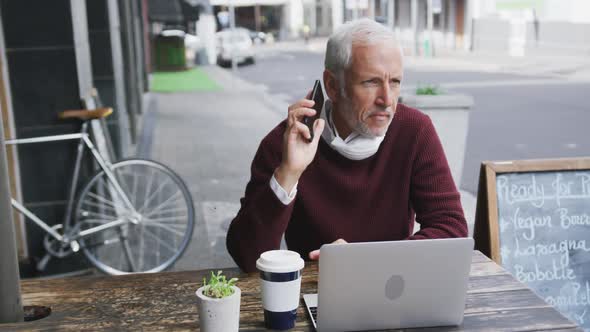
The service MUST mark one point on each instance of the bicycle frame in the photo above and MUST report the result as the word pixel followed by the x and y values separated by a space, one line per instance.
pixel 104 164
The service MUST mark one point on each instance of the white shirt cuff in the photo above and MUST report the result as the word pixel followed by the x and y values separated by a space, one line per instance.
pixel 281 193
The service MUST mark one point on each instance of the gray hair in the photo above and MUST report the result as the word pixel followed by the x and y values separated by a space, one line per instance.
pixel 363 31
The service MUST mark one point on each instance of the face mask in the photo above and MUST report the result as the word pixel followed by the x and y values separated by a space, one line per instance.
pixel 355 146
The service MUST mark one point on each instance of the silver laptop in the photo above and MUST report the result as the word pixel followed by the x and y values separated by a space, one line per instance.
pixel 386 285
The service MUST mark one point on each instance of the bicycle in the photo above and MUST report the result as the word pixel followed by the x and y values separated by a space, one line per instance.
pixel 134 215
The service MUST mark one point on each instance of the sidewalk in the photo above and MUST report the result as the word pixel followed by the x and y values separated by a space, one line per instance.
pixel 210 138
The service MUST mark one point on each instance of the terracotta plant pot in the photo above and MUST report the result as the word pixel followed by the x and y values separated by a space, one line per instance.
pixel 219 315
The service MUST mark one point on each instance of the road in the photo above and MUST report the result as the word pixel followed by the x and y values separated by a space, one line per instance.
pixel 518 113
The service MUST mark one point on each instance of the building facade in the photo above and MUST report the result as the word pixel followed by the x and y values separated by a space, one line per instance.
pixel 282 18
pixel 545 27
pixel 422 26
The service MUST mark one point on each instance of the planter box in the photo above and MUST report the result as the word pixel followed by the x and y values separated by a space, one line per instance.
pixel 219 315
pixel 450 116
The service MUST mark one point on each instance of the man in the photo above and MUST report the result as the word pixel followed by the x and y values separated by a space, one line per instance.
pixel 362 178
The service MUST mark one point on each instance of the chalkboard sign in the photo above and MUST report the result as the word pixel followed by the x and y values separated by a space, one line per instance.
pixel 533 218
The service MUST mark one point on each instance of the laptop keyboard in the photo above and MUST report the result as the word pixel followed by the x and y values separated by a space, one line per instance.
pixel 313 311
pixel 311 304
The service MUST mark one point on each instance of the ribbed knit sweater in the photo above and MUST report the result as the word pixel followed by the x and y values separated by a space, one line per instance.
pixel 373 199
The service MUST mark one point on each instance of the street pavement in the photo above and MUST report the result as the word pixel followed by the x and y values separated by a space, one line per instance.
pixel 574 67
pixel 209 138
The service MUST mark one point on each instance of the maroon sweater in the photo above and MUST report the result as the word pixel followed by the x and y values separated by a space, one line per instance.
pixel 374 199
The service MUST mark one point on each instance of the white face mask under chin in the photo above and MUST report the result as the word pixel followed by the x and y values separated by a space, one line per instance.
pixel 355 146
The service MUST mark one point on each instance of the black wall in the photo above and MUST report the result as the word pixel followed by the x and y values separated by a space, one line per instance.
pixel 57 51
pixel 48 60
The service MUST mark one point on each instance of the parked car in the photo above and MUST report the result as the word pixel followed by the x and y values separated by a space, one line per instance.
pixel 235 43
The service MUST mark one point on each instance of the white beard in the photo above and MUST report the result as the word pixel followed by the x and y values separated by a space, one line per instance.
pixel 356 146
pixel 357 126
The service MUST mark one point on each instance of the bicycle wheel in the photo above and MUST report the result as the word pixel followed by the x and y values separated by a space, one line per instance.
pixel 154 237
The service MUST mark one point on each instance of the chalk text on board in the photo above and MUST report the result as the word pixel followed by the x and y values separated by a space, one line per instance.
pixel 535 192
pixel 568 220
pixel 561 189
pixel 513 193
pixel 585 183
pixel 575 298
pixel 556 272
pixel 562 248
pixel 530 223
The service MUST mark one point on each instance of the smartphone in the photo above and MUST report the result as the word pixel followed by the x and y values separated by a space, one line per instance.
pixel 317 95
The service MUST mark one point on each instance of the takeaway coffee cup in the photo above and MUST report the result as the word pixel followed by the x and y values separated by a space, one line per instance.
pixel 280 282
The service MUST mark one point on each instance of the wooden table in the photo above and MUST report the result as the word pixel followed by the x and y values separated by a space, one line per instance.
pixel 167 301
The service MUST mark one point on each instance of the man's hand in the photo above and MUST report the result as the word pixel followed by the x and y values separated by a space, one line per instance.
pixel 315 255
pixel 298 151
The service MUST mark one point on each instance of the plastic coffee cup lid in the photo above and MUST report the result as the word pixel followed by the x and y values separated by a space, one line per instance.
pixel 279 261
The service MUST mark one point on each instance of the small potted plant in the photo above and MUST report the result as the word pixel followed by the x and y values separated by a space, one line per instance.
pixel 219 304
pixel 428 90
